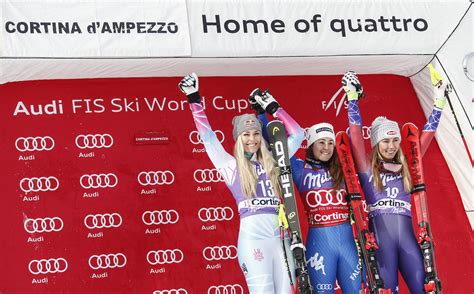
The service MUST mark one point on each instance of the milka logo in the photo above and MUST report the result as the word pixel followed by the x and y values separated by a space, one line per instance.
pixel 316 180
pixel 386 178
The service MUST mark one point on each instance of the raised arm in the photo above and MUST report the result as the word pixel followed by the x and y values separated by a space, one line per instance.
pixel 354 91
pixel 295 132
pixel 222 160
pixel 429 129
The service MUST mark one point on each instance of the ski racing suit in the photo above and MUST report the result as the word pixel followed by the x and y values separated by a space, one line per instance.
pixel 259 247
pixel 390 216
pixel 331 250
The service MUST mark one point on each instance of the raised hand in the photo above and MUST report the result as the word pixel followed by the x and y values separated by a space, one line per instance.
pixel 265 100
pixel 189 85
pixel 352 87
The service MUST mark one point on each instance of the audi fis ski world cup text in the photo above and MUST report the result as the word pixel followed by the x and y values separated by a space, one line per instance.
pixel 119 105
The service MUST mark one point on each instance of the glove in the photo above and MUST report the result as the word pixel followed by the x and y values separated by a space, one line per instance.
pixel 253 103
pixel 352 87
pixel 265 100
pixel 441 92
pixel 189 85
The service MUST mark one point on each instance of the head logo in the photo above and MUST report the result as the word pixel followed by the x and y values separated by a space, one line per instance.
pixel 47 266
pixel 320 198
pixel 160 217
pixel 219 252
pixel 211 214
pixel 106 220
pixel 104 261
pixel 98 181
pixel 207 176
pixel 90 141
pixel 147 178
pixel 42 184
pixel 171 291
pixel 41 225
pixel 195 139
pixel 24 144
pixel 167 256
pixel 226 289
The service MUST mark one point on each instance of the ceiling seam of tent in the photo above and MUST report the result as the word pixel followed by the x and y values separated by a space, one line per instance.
pixel 454 89
pixel 449 36
pixel 230 57
pixel 455 28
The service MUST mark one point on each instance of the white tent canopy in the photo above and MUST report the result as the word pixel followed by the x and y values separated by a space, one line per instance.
pixel 99 39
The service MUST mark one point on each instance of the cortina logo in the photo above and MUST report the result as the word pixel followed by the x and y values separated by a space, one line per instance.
pixel 41 225
pixel 226 289
pixel 98 181
pixel 207 176
pixel 103 261
pixel 24 144
pixel 90 141
pixel 167 256
pixel 106 220
pixel 42 184
pixel 47 266
pixel 219 252
pixel 195 139
pixel 147 178
pixel 210 214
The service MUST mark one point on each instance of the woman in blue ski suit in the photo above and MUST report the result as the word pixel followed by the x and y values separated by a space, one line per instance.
pixel 331 250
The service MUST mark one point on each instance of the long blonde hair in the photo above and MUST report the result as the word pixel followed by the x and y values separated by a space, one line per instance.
pixel 400 158
pixel 248 174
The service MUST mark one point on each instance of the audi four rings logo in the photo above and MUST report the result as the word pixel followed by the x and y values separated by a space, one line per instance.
pixel 98 181
pixel 196 139
pixel 106 220
pixel 366 131
pixel 147 178
pixel 41 225
pixel 160 217
pixel 24 144
pixel 104 261
pixel 219 252
pixel 94 141
pixel 42 184
pixel 211 214
pixel 325 198
pixel 171 291
pixel 48 266
pixel 165 256
pixel 226 289
pixel 324 287
pixel 207 176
